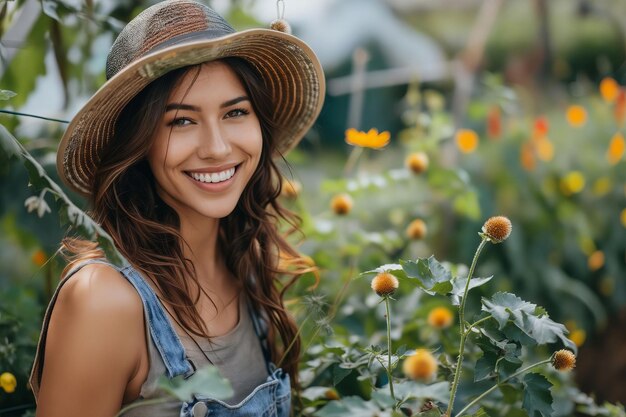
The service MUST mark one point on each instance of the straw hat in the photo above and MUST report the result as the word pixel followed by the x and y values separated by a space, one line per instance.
pixel 177 33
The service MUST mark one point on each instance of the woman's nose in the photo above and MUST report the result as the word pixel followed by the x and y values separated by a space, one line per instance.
pixel 214 144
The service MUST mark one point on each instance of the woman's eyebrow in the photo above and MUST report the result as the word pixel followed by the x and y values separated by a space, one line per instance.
pixel 234 101
pixel 181 106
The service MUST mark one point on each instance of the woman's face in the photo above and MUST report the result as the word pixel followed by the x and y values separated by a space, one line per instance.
pixel 203 165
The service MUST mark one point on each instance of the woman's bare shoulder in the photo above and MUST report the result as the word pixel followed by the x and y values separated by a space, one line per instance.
pixel 93 345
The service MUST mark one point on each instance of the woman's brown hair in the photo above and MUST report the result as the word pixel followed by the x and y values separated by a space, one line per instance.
pixel 145 230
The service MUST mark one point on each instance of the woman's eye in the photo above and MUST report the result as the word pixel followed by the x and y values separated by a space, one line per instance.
pixel 180 121
pixel 237 113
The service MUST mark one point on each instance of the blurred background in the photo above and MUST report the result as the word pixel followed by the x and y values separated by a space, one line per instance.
pixel 518 105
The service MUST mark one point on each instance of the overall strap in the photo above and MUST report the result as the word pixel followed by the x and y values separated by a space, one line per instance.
pixel 163 335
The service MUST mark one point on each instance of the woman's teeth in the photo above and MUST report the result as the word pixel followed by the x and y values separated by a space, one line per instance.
pixel 213 177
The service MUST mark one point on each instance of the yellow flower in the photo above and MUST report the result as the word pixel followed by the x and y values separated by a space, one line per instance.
pixel 290 189
pixel 331 394
pixel 609 89
pixel 576 116
pixel 595 260
pixel 371 139
pixel 572 183
pixel 8 382
pixel 602 186
pixel 341 204
pixel 39 258
pixel 622 217
pixel 417 162
pixel 416 229
pixel 422 365
pixel 466 140
pixel 578 336
pixel 384 284
pixel 440 317
pixel 497 228
pixel 564 360
pixel 616 150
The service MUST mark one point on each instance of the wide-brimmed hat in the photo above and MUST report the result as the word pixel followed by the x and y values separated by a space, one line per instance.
pixel 174 34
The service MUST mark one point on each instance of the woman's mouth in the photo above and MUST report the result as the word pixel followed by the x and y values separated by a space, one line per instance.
pixel 213 177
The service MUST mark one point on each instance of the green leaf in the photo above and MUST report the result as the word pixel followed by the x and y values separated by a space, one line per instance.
pixel 339 374
pixel 439 391
pixel 467 204
pixel 206 382
pixel 394 269
pixel 355 406
pixel 503 305
pixel 485 366
pixel 458 287
pixel 429 274
pixel 537 395
pixel 544 330
pixel 6 94
pixel 480 413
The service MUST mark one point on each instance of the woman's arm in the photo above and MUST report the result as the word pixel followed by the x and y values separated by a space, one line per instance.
pixel 95 339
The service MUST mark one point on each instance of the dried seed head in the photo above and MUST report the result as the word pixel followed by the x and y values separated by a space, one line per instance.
pixel 440 318
pixel 384 284
pixel 564 360
pixel 281 25
pixel 341 204
pixel 416 229
pixel 497 228
pixel 422 365
pixel 417 162
pixel 290 189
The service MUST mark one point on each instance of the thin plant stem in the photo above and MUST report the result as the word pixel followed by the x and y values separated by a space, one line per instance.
pixel 293 341
pixel 490 390
pixel 389 369
pixel 469 329
pixel 352 159
pixel 459 363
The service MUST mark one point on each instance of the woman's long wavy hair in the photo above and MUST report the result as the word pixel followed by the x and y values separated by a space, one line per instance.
pixel 146 230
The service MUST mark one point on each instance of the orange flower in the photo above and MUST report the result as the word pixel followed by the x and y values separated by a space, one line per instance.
pixel 440 318
pixel 527 157
pixel 544 148
pixel 417 162
pixel 416 229
pixel 619 112
pixel 497 228
pixel 576 116
pixel 595 260
pixel 371 139
pixel 341 204
pixel 609 89
pixel 422 365
pixel 466 140
pixel 578 336
pixel 494 122
pixel 541 127
pixel 616 150
pixel 39 258
pixel 290 189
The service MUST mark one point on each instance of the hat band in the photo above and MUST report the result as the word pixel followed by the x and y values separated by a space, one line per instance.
pixel 190 37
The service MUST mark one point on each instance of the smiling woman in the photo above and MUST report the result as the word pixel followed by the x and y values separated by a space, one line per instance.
pixel 175 154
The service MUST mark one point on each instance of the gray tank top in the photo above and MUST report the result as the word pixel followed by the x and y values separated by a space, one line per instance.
pixel 237 354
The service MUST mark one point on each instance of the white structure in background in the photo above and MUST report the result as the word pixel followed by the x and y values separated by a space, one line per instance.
pixel 346 25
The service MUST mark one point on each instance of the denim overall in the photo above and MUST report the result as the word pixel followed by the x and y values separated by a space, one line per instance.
pixel 270 399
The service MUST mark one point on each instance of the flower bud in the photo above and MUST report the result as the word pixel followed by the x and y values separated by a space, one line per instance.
pixel 564 360
pixel 384 284
pixel 341 204
pixel 422 365
pixel 440 318
pixel 497 228
pixel 417 162
pixel 416 229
